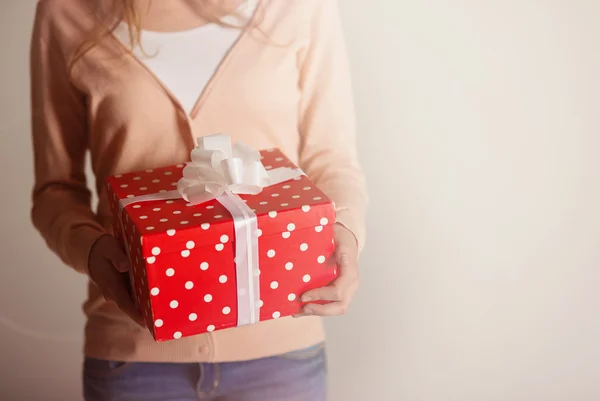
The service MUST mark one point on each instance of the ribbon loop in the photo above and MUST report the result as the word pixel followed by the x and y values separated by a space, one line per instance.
pixel 234 171
pixel 216 142
pixel 217 167
pixel 243 151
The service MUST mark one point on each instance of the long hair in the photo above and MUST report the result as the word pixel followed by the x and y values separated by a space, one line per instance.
pixel 129 13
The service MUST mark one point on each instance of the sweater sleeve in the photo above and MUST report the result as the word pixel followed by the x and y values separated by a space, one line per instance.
pixel 61 209
pixel 328 153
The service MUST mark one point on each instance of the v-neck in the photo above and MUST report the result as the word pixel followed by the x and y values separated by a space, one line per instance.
pixel 221 66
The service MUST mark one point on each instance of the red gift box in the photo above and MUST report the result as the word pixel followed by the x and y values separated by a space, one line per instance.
pixel 184 276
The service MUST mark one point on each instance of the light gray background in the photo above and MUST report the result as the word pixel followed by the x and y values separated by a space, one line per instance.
pixel 480 133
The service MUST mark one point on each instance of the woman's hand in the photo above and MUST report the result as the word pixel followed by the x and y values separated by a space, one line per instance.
pixel 108 266
pixel 342 290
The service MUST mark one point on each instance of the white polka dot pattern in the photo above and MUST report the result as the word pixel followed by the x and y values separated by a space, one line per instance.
pixel 183 255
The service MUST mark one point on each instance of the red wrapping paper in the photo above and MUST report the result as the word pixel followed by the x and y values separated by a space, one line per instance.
pixel 183 273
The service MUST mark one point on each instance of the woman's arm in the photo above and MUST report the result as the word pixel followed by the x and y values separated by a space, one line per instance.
pixel 328 133
pixel 328 152
pixel 61 209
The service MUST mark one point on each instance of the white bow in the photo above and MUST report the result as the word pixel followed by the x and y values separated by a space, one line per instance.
pixel 217 167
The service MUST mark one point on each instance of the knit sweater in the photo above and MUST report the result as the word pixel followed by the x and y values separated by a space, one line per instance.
pixel 285 83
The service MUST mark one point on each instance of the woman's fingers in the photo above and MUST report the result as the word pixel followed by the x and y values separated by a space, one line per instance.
pixel 108 266
pixel 342 289
pixel 127 306
pixel 322 294
pixel 115 289
pixel 330 309
pixel 335 292
pixel 338 297
pixel 120 295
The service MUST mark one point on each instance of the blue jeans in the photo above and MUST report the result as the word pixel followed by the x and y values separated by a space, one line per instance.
pixel 295 376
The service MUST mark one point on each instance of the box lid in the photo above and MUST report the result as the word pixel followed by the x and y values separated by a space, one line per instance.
pixel 169 226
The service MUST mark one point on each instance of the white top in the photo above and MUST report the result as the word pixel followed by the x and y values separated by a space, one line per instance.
pixel 185 61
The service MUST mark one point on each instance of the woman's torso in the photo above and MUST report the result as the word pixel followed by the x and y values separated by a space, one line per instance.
pixel 136 122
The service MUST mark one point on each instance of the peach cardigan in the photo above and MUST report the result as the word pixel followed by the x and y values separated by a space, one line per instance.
pixel 290 90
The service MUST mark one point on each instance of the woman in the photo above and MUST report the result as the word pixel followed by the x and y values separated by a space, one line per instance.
pixel 134 82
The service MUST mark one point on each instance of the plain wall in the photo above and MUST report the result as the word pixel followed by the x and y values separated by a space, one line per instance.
pixel 479 133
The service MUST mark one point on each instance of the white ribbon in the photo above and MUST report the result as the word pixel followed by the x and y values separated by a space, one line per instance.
pixel 217 167
pixel 221 171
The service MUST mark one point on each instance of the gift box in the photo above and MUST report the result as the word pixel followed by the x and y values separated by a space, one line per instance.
pixel 233 237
